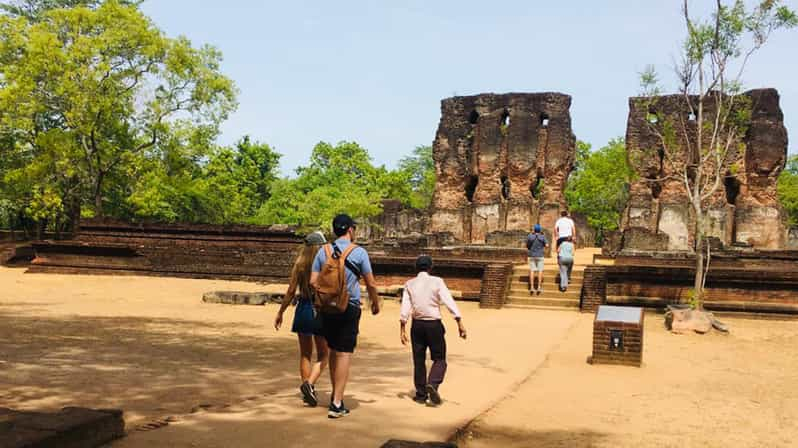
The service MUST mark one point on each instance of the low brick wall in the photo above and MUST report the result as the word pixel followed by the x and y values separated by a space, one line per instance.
pixel 763 282
pixel 201 251
pixel 594 288
pixel 495 283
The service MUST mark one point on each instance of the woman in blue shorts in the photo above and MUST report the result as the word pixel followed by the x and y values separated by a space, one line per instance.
pixel 306 320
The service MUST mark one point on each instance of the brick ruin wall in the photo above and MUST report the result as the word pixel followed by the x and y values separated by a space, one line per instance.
pixel 745 209
pixel 763 282
pixel 501 163
pixel 251 253
pixel 196 251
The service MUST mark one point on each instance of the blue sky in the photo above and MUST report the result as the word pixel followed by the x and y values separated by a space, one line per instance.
pixel 375 71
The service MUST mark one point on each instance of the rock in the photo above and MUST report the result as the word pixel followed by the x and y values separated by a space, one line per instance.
pixel 685 320
pixel 71 427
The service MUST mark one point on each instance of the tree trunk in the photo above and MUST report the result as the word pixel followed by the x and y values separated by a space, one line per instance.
pixel 98 197
pixel 698 285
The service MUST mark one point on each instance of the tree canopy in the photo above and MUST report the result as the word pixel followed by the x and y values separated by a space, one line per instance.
pixel 788 189
pixel 86 93
pixel 341 178
pixel 599 186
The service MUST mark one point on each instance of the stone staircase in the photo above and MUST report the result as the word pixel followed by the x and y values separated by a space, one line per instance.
pixel 551 298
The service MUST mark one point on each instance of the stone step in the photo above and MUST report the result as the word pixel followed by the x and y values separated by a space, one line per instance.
pixel 548 302
pixel 548 273
pixel 552 288
pixel 539 307
pixel 547 294
pixel 548 267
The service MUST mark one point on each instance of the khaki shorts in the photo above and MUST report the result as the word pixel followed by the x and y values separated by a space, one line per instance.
pixel 536 264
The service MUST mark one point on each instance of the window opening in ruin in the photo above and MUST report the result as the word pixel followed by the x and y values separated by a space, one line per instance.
pixel 732 186
pixel 544 120
pixel 505 188
pixel 651 116
pixel 471 187
pixel 536 187
pixel 656 188
pixel 473 118
pixel 504 124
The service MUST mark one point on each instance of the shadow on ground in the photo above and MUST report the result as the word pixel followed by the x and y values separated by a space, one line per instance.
pixel 153 367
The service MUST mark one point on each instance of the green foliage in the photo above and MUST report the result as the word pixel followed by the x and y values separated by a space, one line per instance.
pixel 788 189
pixel 342 179
pixel 86 92
pixel 599 187
pixel 34 10
pixel 419 169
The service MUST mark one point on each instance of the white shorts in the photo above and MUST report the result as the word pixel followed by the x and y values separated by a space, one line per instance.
pixel 536 264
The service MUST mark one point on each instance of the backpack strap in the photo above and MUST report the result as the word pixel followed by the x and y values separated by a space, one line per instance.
pixel 345 255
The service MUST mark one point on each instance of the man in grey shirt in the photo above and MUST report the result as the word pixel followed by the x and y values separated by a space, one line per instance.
pixel 536 244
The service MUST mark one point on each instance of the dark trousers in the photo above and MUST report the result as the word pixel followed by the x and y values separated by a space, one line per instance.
pixel 428 334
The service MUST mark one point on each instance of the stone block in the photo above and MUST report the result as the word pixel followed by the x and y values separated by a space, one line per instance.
pixel 70 428
pixel 240 297
pixel 641 238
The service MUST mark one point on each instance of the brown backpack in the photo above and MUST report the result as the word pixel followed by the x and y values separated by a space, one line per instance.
pixel 332 295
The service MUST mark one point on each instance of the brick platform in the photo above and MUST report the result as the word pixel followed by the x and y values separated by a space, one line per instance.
pixel 618 336
pixel 69 428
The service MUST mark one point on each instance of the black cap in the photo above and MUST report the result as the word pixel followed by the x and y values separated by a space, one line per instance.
pixel 423 263
pixel 342 223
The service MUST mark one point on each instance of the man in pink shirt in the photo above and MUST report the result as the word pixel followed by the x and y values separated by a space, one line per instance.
pixel 421 301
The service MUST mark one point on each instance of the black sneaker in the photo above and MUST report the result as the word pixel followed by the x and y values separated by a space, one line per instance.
pixel 309 394
pixel 419 399
pixel 337 412
pixel 434 397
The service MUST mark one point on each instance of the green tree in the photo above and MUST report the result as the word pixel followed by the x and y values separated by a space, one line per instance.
pixel 86 92
pixel 339 178
pixel 599 187
pixel 788 189
pixel 34 9
pixel 419 171
pixel 189 180
pixel 711 87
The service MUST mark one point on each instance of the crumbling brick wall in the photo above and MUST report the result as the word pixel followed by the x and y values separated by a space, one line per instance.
pixel 745 209
pixel 502 162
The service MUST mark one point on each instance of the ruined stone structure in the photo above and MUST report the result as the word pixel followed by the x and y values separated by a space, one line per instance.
pixel 502 162
pixel 745 209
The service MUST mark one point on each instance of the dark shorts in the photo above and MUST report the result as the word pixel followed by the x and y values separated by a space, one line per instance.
pixel 341 330
pixel 306 320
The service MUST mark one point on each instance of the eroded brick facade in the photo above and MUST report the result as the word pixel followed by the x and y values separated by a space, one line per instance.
pixel 745 209
pixel 502 162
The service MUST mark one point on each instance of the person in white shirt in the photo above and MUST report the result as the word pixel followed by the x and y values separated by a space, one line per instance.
pixel 564 228
pixel 421 301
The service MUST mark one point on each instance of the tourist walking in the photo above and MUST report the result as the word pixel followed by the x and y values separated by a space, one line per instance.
pixel 421 301
pixel 565 259
pixel 536 245
pixel 340 327
pixel 307 324
pixel 564 228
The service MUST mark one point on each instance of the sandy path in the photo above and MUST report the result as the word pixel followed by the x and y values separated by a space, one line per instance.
pixel 151 347
pixel 739 390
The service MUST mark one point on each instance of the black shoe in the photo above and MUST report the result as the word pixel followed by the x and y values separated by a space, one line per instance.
pixel 420 400
pixel 309 394
pixel 434 396
pixel 337 412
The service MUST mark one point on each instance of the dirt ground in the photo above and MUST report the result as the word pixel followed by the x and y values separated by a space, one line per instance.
pixel 225 378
